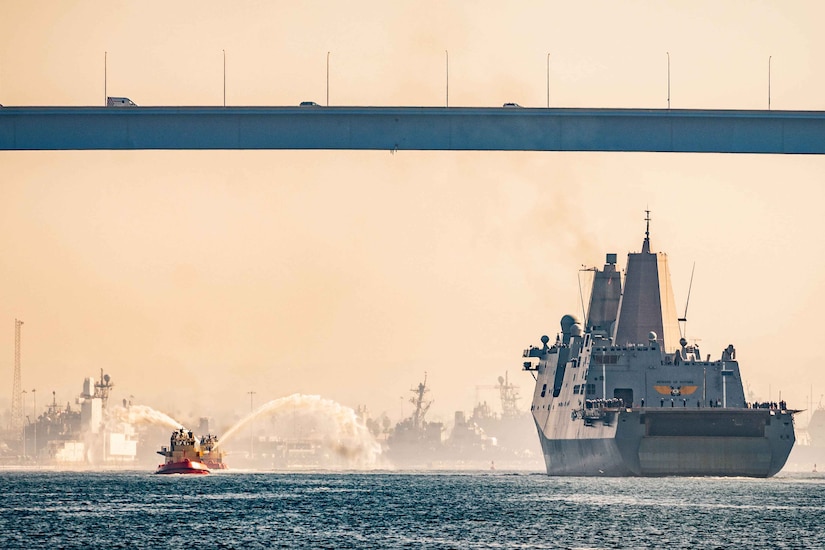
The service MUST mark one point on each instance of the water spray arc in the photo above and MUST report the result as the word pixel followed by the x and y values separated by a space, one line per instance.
pixel 350 438
pixel 143 414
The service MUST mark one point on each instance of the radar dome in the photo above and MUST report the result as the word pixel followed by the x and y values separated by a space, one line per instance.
pixel 651 336
pixel 566 322
pixel 545 339
pixel 576 329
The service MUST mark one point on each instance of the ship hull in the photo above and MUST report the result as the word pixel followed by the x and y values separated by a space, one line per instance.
pixel 215 465
pixel 184 466
pixel 663 442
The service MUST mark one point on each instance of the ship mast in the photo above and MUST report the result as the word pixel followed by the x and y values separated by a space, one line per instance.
pixel 509 396
pixel 421 407
pixel 646 243
pixel 647 304
pixel 103 388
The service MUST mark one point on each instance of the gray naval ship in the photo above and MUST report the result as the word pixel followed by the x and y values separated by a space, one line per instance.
pixel 623 394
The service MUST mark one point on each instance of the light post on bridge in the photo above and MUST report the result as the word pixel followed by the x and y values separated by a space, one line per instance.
pixel 548 80
pixel 447 53
pixel 668 80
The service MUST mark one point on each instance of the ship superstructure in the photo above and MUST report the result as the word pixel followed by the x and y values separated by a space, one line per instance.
pixel 511 428
pixel 623 394
pixel 183 455
pixel 816 427
pixel 414 439
pixel 92 435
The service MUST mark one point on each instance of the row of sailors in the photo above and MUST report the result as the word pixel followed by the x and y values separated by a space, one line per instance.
pixel 711 403
pixel 617 402
pixel 604 403
pixel 781 406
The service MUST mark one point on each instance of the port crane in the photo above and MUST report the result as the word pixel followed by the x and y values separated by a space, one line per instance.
pixel 507 392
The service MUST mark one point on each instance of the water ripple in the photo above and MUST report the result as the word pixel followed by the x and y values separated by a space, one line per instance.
pixel 406 510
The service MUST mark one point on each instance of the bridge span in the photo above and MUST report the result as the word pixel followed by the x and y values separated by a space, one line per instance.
pixel 412 128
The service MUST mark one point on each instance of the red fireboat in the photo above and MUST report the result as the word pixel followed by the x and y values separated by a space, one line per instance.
pixel 212 456
pixel 183 456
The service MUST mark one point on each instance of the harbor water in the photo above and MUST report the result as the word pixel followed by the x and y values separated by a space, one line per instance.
pixel 495 509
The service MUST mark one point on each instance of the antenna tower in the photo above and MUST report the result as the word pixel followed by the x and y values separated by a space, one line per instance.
pixel 17 387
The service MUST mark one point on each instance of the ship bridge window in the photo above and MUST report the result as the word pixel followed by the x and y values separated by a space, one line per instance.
pixel 543 390
pixel 557 382
pixel 604 359
pixel 591 389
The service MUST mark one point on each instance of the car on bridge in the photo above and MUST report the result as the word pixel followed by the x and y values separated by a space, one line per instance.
pixel 120 102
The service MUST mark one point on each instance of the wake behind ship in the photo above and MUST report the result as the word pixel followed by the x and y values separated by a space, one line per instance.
pixel 623 394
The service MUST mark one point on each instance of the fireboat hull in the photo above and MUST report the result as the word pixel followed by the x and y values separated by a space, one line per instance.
pixel 185 466
pixel 215 465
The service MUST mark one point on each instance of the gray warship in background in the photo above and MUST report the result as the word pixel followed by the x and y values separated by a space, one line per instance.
pixel 415 441
pixel 623 394
pixel 483 440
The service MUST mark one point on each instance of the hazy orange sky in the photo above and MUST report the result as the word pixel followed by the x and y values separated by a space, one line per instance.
pixel 194 277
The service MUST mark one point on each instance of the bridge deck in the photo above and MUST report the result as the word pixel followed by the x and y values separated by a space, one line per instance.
pixel 412 128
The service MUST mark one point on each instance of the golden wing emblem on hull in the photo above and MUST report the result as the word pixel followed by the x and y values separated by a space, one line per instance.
pixel 675 390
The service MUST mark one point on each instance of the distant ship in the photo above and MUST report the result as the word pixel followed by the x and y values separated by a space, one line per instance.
pixel 88 435
pixel 414 440
pixel 512 429
pixel 473 441
pixel 183 456
pixel 624 394
pixel 809 450
pixel 816 427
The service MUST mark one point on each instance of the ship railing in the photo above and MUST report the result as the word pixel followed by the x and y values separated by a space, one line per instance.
pixel 612 403
pixel 592 416
pixel 589 414
pixel 533 352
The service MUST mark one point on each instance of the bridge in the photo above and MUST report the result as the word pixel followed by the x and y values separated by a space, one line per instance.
pixel 509 128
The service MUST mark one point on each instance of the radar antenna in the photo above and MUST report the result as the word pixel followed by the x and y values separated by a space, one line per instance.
pixel 683 320
pixel 647 225
pixel 581 292
pixel 421 405
pixel 646 243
